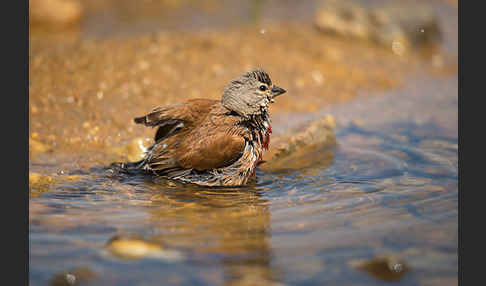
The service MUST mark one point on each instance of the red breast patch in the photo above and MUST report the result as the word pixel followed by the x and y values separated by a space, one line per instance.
pixel 266 139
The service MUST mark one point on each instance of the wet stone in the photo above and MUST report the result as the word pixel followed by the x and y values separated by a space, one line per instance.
pixel 398 26
pixel 388 268
pixel 302 146
pixel 132 247
pixel 75 276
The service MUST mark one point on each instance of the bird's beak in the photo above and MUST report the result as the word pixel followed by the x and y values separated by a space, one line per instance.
pixel 276 91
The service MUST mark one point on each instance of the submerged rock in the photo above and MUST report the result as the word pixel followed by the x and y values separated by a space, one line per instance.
pixel 387 268
pixel 301 147
pixel 133 248
pixel 75 276
pixel 401 26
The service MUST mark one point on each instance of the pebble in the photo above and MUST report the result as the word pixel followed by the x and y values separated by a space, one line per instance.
pixel 131 248
pixel 74 276
pixel 386 268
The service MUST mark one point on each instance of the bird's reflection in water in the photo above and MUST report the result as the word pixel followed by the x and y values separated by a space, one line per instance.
pixel 226 227
pixel 229 226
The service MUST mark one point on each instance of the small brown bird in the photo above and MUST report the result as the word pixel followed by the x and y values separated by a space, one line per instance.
pixel 212 142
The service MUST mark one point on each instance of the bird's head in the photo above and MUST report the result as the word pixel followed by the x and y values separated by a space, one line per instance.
pixel 250 94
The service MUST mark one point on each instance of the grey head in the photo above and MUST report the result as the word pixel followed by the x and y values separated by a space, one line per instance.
pixel 250 94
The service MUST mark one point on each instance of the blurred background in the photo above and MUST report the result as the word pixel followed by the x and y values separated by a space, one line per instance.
pixel 107 56
pixel 363 193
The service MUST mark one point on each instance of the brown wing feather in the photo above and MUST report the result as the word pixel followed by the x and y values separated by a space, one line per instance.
pixel 189 111
pixel 169 118
pixel 216 142
pixel 215 151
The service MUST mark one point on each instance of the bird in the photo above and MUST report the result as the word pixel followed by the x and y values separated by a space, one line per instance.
pixel 210 142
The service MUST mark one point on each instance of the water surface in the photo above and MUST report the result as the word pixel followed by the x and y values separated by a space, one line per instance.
pixel 389 188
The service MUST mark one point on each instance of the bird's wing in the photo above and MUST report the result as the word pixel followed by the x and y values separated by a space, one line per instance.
pixel 171 156
pixel 173 118
pixel 210 152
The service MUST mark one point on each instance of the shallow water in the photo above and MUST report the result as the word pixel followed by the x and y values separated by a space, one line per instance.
pixel 389 188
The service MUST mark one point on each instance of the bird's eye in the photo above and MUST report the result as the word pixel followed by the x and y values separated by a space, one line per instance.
pixel 263 88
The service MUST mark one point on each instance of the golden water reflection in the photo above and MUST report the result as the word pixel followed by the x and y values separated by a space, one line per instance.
pixel 231 223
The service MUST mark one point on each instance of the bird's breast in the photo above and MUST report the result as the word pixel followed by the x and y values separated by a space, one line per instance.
pixel 260 143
